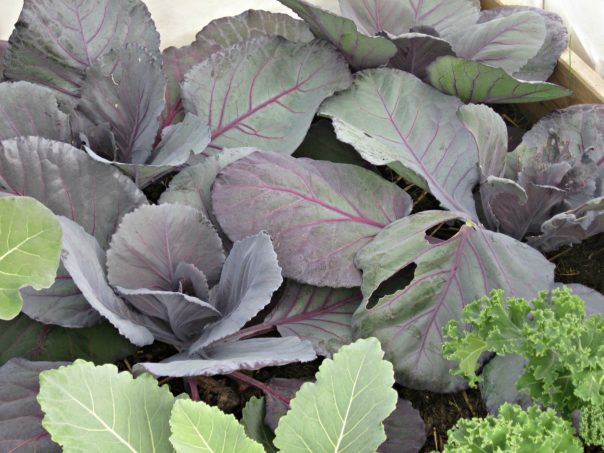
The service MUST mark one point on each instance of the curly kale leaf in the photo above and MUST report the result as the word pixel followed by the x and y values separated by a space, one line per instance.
pixel 514 429
pixel 564 349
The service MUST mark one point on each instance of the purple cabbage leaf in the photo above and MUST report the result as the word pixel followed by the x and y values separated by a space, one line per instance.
pixel 476 82
pixel 20 413
pixel 263 92
pixel 54 43
pixel 166 281
pixel 492 54
pixel 361 51
pixel 550 188
pixel 319 214
pixel 447 275
pixel 218 35
pixel 393 118
pixel 70 184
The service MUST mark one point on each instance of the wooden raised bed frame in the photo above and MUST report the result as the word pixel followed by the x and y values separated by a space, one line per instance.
pixel 571 72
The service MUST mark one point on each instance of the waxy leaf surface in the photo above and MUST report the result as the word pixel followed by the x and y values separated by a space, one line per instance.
pixel 317 213
pixel 20 414
pixel 344 409
pixel 391 117
pixel 360 50
pixel 55 42
pixel 264 92
pixel 321 315
pixel 89 408
pixel 448 274
pixel 30 247
pixel 476 82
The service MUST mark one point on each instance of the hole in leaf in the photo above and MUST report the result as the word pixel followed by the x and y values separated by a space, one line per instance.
pixel 397 282
pixel 443 231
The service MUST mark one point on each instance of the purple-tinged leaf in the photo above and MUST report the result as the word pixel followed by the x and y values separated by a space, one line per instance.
pixel 192 186
pixel 220 34
pixel 28 109
pixel 405 430
pixel 24 337
pixel 180 141
pixel 54 42
pixel 250 276
pixel 504 199
pixel 445 16
pixel 174 318
pixel 360 50
pixel 491 136
pixel 125 90
pixel 70 184
pixel 317 213
pixel 228 357
pixel 391 117
pixel 571 227
pixel 498 383
pixel 541 66
pixel 85 260
pixel 448 274
pixel 276 408
pixel 192 280
pixel 379 16
pixel 416 51
pixel 151 242
pixel 476 82
pixel 264 92
pixel 322 316
pixel 506 42
pixel 20 414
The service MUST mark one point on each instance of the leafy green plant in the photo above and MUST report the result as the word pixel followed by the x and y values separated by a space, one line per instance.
pixel 514 430
pixel 95 408
pixel 562 348
pixel 30 246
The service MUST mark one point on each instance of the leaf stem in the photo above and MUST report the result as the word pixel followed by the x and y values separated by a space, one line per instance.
pixel 259 385
pixel 192 381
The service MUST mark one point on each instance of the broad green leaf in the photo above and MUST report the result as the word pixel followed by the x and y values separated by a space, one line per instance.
pixel 253 422
pixel 264 92
pixel 476 82
pixel 92 408
pixel 24 337
pixel 30 248
pixel 360 50
pixel 198 427
pixel 345 409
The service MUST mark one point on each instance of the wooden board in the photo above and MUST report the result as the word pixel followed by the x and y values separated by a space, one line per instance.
pixel 572 72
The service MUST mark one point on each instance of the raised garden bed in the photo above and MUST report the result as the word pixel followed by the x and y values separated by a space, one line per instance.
pixel 288 200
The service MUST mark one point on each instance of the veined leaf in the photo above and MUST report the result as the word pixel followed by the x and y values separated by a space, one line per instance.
pixel 55 42
pixel 344 410
pixel 92 408
pixel 449 274
pixel 340 206
pixel 476 82
pixel 321 315
pixel 30 247
pixel 20 423
pixel 392 118
pixel 73 185
pixel 220 34
pixel 360 50
pixel 253 422
pixel 198 427
pixel 264 92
